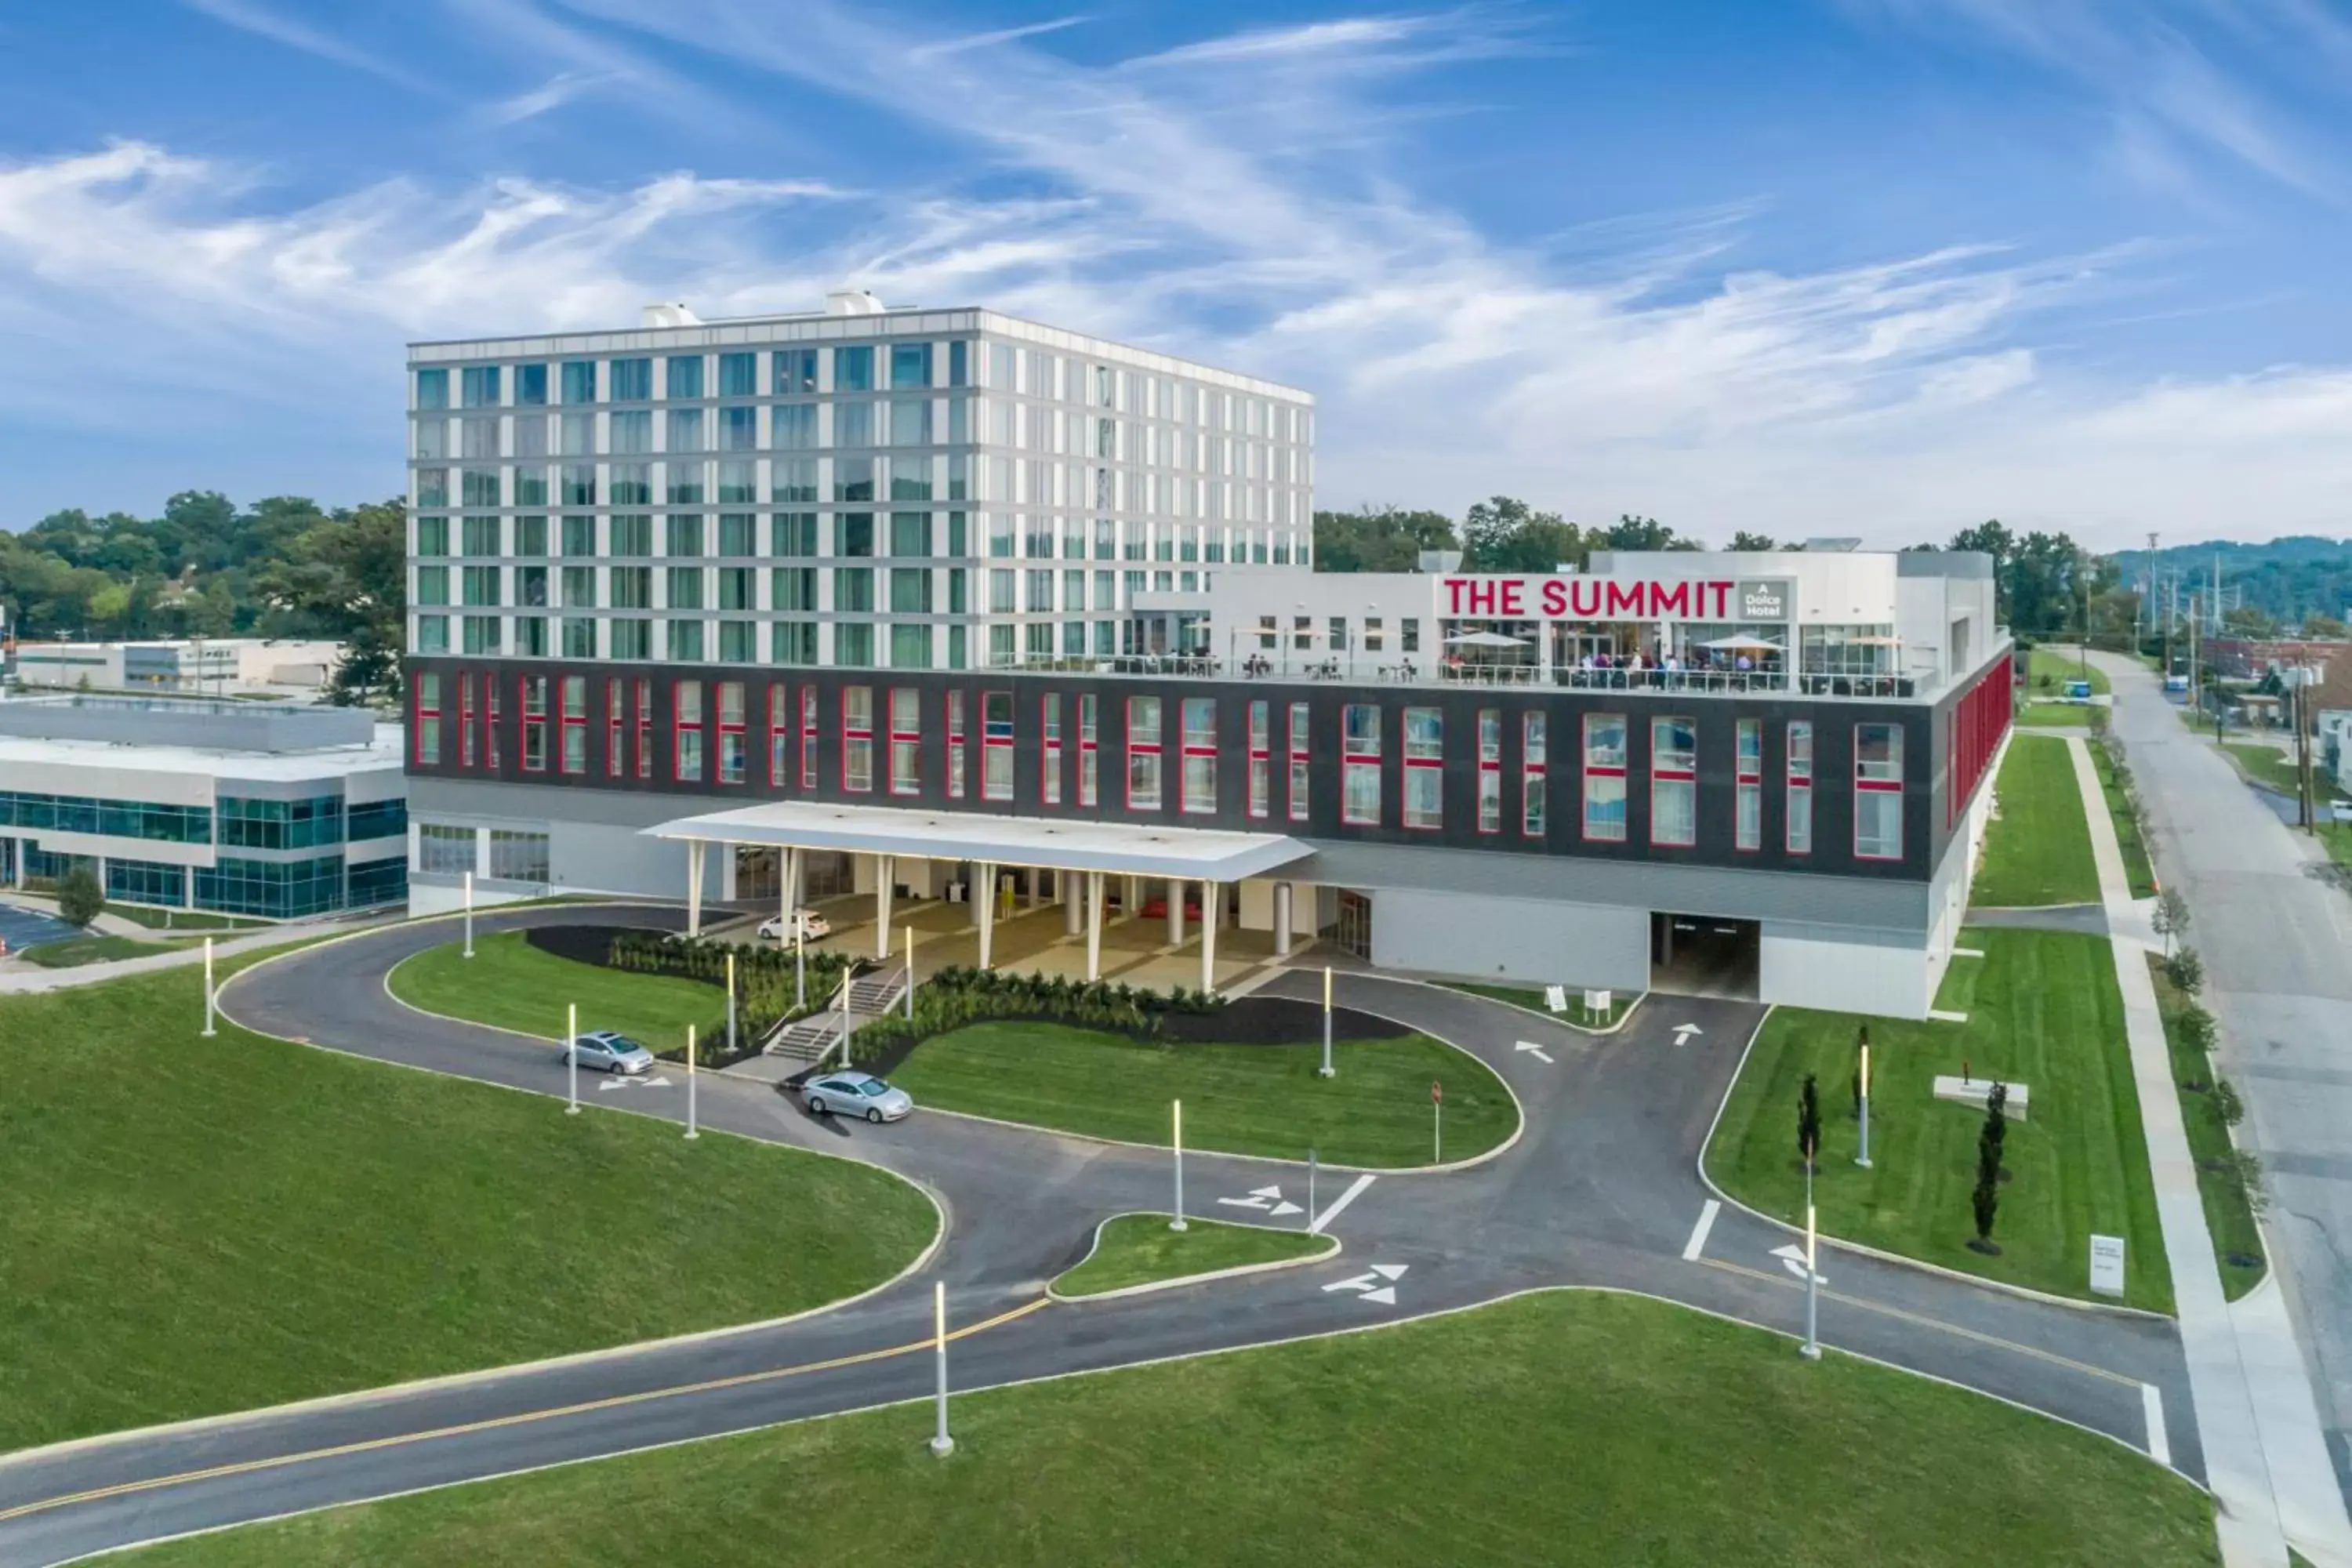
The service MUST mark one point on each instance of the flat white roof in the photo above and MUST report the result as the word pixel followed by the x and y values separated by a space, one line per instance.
pixel 386 751
pixel 1124 848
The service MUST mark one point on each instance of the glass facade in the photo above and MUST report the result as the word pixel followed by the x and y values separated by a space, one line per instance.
pixel 273 889
pixel 114 818
pixel 281 823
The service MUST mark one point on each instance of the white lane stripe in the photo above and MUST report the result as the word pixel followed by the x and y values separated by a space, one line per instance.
pixel 1342 1200
pixel 2159 1446
pixel 1698 1242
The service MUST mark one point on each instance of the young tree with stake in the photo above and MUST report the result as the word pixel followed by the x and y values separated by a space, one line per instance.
pixel 1809 1121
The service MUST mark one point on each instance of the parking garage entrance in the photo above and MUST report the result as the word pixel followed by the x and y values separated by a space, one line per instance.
pixel 1701 955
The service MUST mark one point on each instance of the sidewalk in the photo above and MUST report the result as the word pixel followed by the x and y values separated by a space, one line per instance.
pixel 32 978
pixel 2265 1457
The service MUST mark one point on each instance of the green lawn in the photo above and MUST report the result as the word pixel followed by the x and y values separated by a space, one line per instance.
pixel 1531 998
pixel 1242 1100
pixel 1566 1428
pixel 2272 766
pixel 73 951
pixel 2042 1010
pixel 2037 850
pixel 179 919
pixel 1139 1248
pixel 511 984
pixel 2055 668
pixel 2228 1218
pixel 2055 715
pixel 2136 869
pixel 200 1226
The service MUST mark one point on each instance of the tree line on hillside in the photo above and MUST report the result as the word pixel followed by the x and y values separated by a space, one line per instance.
pixel 2044 583
pixel 284 567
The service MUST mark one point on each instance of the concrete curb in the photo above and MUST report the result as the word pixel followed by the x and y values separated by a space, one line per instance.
pixel 1235 1272
pixel 1626 1017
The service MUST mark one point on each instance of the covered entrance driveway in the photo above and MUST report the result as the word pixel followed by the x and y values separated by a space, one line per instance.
pixel 1084 856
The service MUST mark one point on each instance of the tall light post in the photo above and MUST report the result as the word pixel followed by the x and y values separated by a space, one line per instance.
pixel 209 1030
pixel 1812 1349
pixel 469 914
pixel 572 1055
pixel 1326 1070
pixel 691 1130
pixel 1863 1159
pixel 910 971
pixel 732 1045
pixel 1177 1111
pixel 941 1444
pixel 800 966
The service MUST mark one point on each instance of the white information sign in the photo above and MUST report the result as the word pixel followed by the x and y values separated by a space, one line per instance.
pixel 1556 998
pixel 1597 1000
pixel 2107 1264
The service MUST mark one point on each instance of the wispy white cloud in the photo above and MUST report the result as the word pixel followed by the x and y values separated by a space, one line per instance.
pixel 251 17
pixel 546 98
pixel 1000 36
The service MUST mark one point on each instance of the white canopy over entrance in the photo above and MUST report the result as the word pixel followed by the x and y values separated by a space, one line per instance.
pixel 1206 854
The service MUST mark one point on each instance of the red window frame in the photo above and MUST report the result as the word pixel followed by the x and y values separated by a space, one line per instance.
pixel 995 742
pixel 1089 754
pixel 427 721
pixel 1617 771
pixel 1490 770
pixel 1535 763
pixel 645 727
pixel 1186 751
pixel 1799 781
pixel 955 745
pixel 852 730
pixel 808 737
pixel 1350 759
pixel 531 697
pixel 1747 783
pixel 490 722
pixel 616 723
pixel 1261 759
pixel 1413 764
pixel 780 736
pixel 732 734
pixel 1049 748
pixel 680 727
pixel 1148 747
pixel 1659 775
pixel 1300 723
pixel 467 749
pixel 573 719
pixel 1893 786
pixel 910 779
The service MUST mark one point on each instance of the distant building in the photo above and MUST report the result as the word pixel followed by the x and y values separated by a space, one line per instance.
pixel 2249 658
pixel 194 665
pixel 271 810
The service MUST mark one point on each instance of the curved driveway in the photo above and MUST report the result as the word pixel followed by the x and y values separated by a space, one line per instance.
pixel 1601 1190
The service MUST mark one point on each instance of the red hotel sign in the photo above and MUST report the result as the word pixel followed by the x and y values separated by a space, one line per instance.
pixel 1554 597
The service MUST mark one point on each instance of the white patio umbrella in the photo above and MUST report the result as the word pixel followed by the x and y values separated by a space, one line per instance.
pixel 1742 643
pixel 1484 639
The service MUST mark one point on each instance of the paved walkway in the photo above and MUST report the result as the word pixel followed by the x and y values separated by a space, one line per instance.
pixel 2264 1456
pixel 17 980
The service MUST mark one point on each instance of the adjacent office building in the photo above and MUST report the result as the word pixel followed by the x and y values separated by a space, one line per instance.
pixel 898 600
pixel 242 808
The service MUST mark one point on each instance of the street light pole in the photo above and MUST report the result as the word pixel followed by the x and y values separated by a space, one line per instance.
pixel 910 971
pixel 1326 1070
pixel 571 1054
pixel 800 966
pixel 941 1444
pixel 691 1131
pixel 469 914
pixel 1863 1159
pixel 1812 1349
pixel 731 1046
pixel 209 1030
pixel 1177 1107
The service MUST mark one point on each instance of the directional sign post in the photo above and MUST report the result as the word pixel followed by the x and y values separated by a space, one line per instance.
pixel 572 1054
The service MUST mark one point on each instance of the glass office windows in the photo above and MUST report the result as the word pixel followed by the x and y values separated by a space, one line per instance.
pixel 1424 768
pixel 686 732
pixel 795 370
pixel 630 431
pixel 794 642
pixel 1878 792
pixel 518 855
pixel 808 737
pixel 910 422
pixel 1359 764
pixel 853 478
pixel 580 381
pixel 780 734
pixel 444 850
pixel 853 422
pixel 684 588
pixel 684 642
pixel 1800 787
pixel 1261 759
pixel 739 375
pixel 1747 784
pixel 906 741
pixel 432 487
pixel 480 536
pixel 1200 757
pixel 737 533
pixel 794 533
pixel 251 823
pixel 910 364
pixel 738 431
pixel 480 584
pixel 575 747
pixel 738 642
pixel 530 536
pixel 910 590
pixel 911 479
pixel 685 377
pixel 996 745
pixel 852 368
pixel 685 430
pixel 1490 770
pixel 911 534
pixel 1089 767
pixel 955 745
pixel 1532 768
pixel 479 386
pixel 735 588
pixel 731 732
pixel 1143 755
pixel 534 723
pixel 853 533
pixel 1674 781
pixel 432 584
pixel 631 380
pixel 853 646
pixel 684 535
pixel 271 889
pixel 1049 768
pixel 432 389
pixel 858 739
pixel 1604 777
pixel 794 427
pixel 852 589
pixel 1300 760
pixel 427 694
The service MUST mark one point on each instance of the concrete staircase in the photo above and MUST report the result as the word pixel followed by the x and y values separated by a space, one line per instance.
pixel 807 1040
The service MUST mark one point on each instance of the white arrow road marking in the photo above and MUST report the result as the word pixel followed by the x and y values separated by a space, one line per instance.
pixel 1286 1208
pixel 1265 1200
pixel 1539 1052
pixel 611 1083
pixel 1342 1200
pixel 1377 1285
pixel 1683 1032
pixel 1792 1259
pixel 1360 1282
pixel 1248 1202
pixel 1385 1296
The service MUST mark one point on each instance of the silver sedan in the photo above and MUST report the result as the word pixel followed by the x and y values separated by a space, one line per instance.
pixel 855 1094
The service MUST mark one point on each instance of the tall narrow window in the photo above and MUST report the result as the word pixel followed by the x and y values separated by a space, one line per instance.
pixel 1200 780
pixel 645 728
pixel 731 732
pixel 1800 787
pixel 1089 758
pixel 490 722
pixel 1674 781
pixel 1490 770
pixel 858 739
pixel 428 719
pixel 1360 763
pixel 1143 760
pixel 1748 786
pixel 466 743
pixel 808 737
pixel 1299 759
pixel 617 721
pixel 1049 752
pixel 1261 759
pixel 780 732
pixel 686 732
pixel 906 741
pixel 955 745
pixel 1532 755
pixel 1604 777
pixel 1878 792
pixel 996 745
pixel 575 723
pixel 534 723
pixel 1424 768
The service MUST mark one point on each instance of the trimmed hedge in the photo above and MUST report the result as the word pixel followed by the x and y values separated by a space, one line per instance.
pixel 956 996
pixel 764 983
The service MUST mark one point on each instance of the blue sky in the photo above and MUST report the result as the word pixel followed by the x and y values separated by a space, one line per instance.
pixel 1871 267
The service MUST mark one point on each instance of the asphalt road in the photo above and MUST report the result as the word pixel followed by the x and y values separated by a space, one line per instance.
pixel 1601 1189
pixel 2274 941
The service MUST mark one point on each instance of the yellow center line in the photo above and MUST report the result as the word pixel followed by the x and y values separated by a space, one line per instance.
pixel 1909 1317
pixel 618 1400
